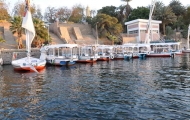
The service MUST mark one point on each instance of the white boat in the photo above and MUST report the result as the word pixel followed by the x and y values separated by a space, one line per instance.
pixel 87 54
pixel 164 49
pixel 118 52
pixel 61 54
pixel 105 52
pixel 135 50
pixel 29 63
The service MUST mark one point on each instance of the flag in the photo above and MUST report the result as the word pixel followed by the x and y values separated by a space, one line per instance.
pixel 27 7
pixel 27 23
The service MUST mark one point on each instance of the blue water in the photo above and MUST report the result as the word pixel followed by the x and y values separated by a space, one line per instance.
pixel 151 88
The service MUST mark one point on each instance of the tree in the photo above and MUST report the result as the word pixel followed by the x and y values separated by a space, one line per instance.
pixel 177 7
pixel 50 14
pixel 169 32
pixel 127 9
pixel 4 15
pixel 109 10
pixel 186 16
pixel 179 11
pixel 92 13
pixel 41 35
pixel 16 27
pixel 139 13
pixel 38 13
pixel 120 15
pixel 166 15
pixel 107 25
pixel 63 14
pixel 77 14
pixel 19 9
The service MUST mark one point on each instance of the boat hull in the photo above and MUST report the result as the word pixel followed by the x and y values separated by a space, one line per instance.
pixel 24 65
pixel 160 55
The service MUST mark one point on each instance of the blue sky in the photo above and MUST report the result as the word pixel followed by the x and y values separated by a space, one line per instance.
pixel 93 4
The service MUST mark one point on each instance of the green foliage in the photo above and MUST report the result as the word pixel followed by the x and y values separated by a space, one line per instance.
pixel 16 27
pixel 113 38
pixel 177 7
pixel 89 20
pixel 41 35
pixel 185 31
pixel 139 13
pixel 166 15
pixel 109 10
pixel 186 17
pixel 2 40
pixel 107 25
pixel 169 32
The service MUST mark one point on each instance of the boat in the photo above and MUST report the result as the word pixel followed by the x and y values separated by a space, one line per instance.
pixel 162 50
pixel 118 52
pixel 61 54
pixel 105 52
pixel 135 50
pixel 29 63
pixel 186 49
pixel 87 54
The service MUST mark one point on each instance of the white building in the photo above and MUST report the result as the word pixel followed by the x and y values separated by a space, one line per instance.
pixel 136 29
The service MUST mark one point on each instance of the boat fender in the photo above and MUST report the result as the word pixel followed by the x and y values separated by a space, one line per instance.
pixel 112 56
pixel 52 60
pixel 148 53
pixel 172 55
pixel 71 60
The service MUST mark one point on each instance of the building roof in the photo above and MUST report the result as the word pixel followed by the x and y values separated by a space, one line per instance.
pixel 142 20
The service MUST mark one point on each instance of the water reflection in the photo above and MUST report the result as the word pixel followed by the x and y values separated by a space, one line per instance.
pixel 155 88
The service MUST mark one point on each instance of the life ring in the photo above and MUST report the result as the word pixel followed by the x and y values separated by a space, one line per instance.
pixel 112 56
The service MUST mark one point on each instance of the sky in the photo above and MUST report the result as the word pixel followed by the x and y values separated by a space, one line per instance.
pixel 93 4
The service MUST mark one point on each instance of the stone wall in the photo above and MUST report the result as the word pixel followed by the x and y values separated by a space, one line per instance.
pixel 7 54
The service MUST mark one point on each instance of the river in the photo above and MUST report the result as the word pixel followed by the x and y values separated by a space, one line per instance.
pixel 151 88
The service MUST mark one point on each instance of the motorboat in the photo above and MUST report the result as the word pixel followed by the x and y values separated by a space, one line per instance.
pixel 105 52
pixel 87 54
pixel 61 54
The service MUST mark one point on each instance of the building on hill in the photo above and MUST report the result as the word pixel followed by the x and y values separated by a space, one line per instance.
pixel 136 31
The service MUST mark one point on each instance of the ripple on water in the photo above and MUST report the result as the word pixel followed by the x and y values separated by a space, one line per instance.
pixel 153 88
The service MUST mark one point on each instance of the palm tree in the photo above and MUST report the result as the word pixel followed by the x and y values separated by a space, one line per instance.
pixel 16 27
pixel 41 35
pixel 128 8
pixel 166 15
